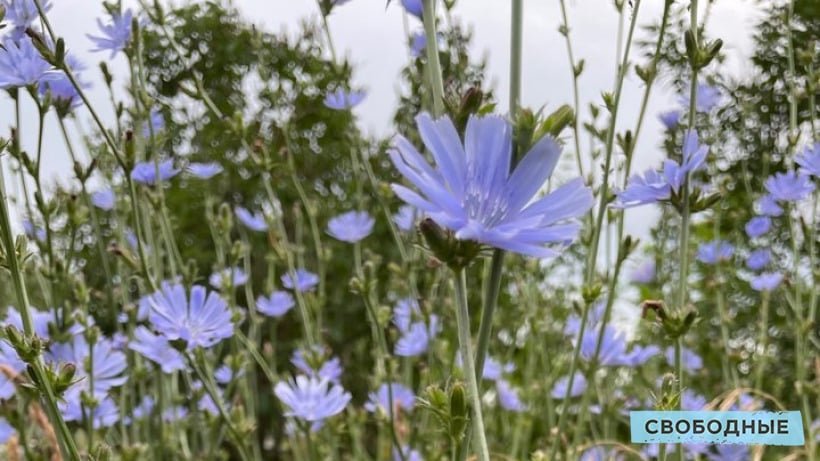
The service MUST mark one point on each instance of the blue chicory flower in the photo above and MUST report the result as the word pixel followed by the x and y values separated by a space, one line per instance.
pixel 276 305
pixel 20 15
pixel 62 91
pixel 303 281
pixel 809 160
pixel 404 312
pixel 758 259
pixel 11 360
pixel 157 349
pixel 312 362
pixel 758 226
pixel 253 221
pixel 493 369
pixel 613 349
pixel 690 360
pixel 106 364
pixel 104 199
pixel 105 414
pixel 37 233
pixel 579 385
pixel 351 227
pixel 155 123
pixel 312 399
pixel 418 42
pixel 414 341
pixel 115 35
pixel 508 397
pixel 21 64
pixel 768 206
pixel 146 172
pixel 414 7
pixel 789 187
pixel 344 100
pixel 670 119
pixel 409 454
pixel 653 186
pixel 766 281
pixel 706 99
pixel 403 397
pixel 473 194
pixel 205 170
pixel 6 430
pixel 690 401
pixel 715 251
pixel 406 218
pixel 644 273
pixel 201 320
pixel 233 277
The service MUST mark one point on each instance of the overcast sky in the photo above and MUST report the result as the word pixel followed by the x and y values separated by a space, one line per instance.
pixel 373 38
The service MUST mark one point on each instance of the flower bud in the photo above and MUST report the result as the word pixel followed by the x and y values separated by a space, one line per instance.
pixel 458 411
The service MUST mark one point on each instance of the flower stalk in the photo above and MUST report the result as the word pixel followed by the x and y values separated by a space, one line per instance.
pixel 466 350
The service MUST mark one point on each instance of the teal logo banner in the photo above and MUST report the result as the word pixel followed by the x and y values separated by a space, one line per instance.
pixel 717 427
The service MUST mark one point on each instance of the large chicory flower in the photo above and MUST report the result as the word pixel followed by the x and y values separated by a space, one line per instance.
pixel 21 64
pixel 311 398
pixel 789 187
pixel 201 319
pixel 115 35
pixel 351 227
pixel 100 363
pixel 473 194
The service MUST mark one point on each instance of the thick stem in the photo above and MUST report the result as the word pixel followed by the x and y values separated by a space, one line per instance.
pixel 466 350
pixel 433 63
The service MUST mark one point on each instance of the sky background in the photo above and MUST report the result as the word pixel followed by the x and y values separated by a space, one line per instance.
pixel 374 40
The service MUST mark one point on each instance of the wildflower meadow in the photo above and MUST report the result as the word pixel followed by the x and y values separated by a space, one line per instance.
pixel 232 267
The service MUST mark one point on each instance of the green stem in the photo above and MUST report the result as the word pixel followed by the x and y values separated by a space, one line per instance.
pixel 762 341
pixel 433 63
pixel 610 145
pixel 210 389
pixel 466 350
pixel 38 366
